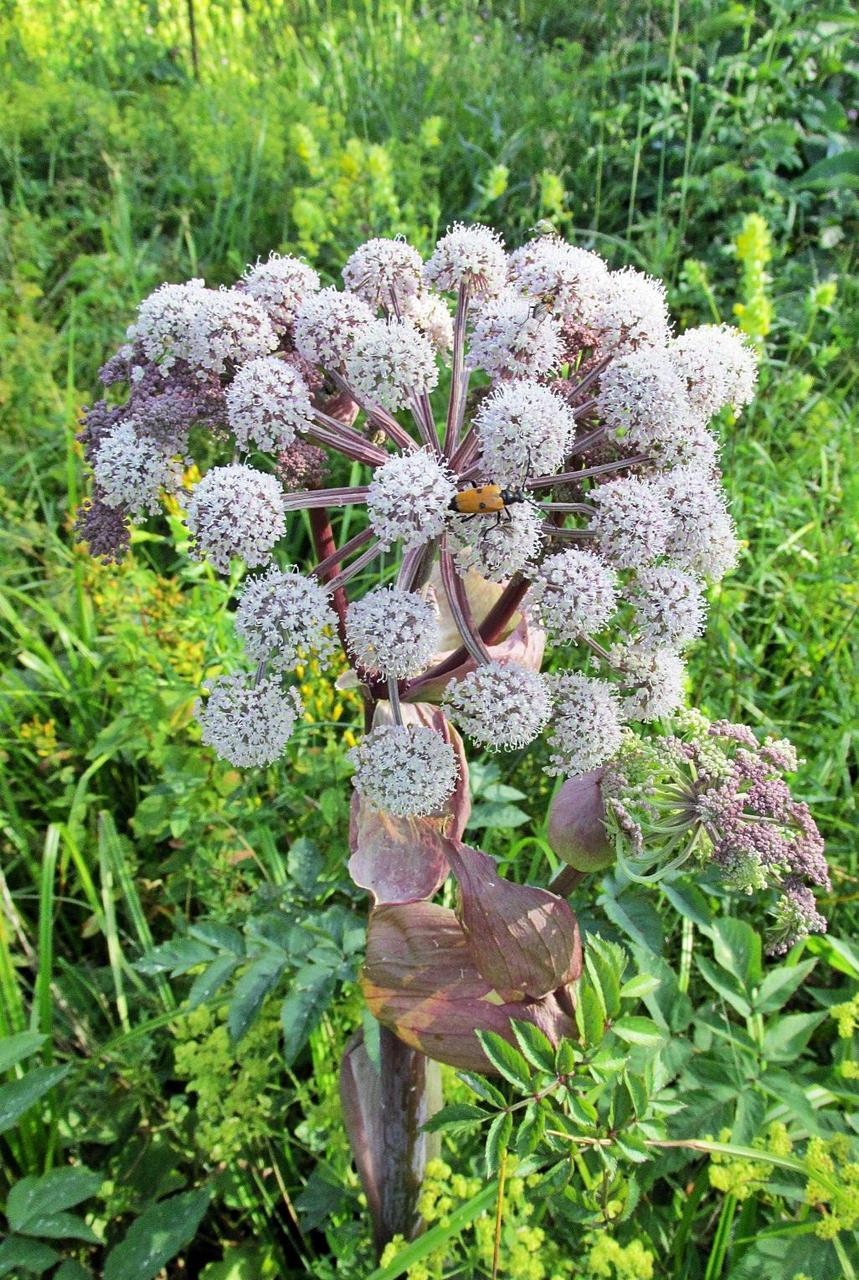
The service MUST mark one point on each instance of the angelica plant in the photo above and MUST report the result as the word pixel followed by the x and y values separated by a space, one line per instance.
pixel 563 498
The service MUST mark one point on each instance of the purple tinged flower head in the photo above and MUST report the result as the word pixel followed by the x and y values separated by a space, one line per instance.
pixel 328 324
pixel 796 916
pixel 131 470
pixel 285 618
pixel 585 729
pixel 247 721
pixel 669 607
pixel 512 338
pixel 470 255
pixel 383 272
pixel 409 498
pixel 407 770
pixel 628 310
pixel 236 511
pixel 561 274
pixel 268 404
pixel 718 365
pixel 496 549
pixel 643 400
pixel 524 428
pixel 280 285
pixel 573 594
pixel 390 361
pixel 500 705
pixel 392 632
pixel 106 530
pixel 633 522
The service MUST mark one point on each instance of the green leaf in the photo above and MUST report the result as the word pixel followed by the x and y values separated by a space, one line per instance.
pixel 840 170
pixel 157 1236
pixel 175 957
pixel 606 962
pixel 565 1058
pixel 643 984
pixel 455 1115
pixel 635 915
pixel 251 990
pixel 640 1031
pixel 780 984
pixel 18 1254
pixel 17 1098
pixel 213 977
pixel 737 948
pixel 304 865
pixel 71 1269
pixel 582 1110
pixel 493 816
pixel 36 1206
pixel 14 1049
pixel 636 1087
pixel 497 1141
pixel 530 1130
pixel 223 937
pixel 725 985
pixel 535 1046
pixel 484 1088
pixel 590 1018
pixel 506 1060
pixel 632 1147
pixel 785 1039
pixel 311 993
pixel 688 900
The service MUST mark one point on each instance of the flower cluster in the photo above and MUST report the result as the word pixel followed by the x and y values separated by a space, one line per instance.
pixel 577 483
pixel 713 794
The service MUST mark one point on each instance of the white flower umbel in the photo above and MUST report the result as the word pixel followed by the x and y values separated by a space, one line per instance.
pixel 430 314
pixel 500 706
pixel 652 680
pixel 559 273
pixel 473 256
pixel 719 365
pixel 409 497
pixel 267 404
pixel 572 594
pixel 524 429
pixel 632 522
pixel 383 272
pixel 669 607
pixel 497 546
pixel 409 771
pixel 236 511
pixel 248 722
pixel 284 618
pixel 131 469
pixel 280 285
pixel 164 320
pixel 327 325
pixel 627 310
pixel 512 339
pixel 392 631
pixel 228 329
pixel 390 361
pixel 642 400
pixel 702 536
pixel 586 728
pixel 694 447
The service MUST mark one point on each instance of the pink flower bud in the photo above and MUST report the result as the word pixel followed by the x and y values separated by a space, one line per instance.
pixel 576 829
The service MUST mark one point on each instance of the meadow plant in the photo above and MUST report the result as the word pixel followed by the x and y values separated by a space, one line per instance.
pixel 537 447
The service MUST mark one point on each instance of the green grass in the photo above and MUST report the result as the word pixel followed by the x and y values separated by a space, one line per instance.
pixel 650 131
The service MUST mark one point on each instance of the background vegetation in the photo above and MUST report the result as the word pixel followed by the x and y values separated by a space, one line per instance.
pixel 710 143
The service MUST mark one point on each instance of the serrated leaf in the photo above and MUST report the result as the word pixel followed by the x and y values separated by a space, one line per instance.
pixel 643 984
pixel 221 936
pixel 36 1206
pixel 17 1098
pixel 157 1236
pixel 565 1058
pixel 606 963
pixel 581 1110
pixel 785 1039
pixel 14 1049
pixel 456 1115
pixel 507 1061
pixel 638 1093
pixel 555 1178
pixel 590 1018
pixel 497 1141
pixel 530 1130
pixel 211 980
pixel 484 1088
pixel 175 957
pixel 737 948
pixel 635 915
pixel 632 1147
pixel 535 1046
pixel 251 990
pixel 688 900
pixel 638 1031
pixel 310 996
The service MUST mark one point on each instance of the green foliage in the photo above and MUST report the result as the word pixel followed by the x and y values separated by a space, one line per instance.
pixel 178 942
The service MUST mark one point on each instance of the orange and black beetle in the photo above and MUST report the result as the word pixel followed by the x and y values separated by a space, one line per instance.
pixel 486 500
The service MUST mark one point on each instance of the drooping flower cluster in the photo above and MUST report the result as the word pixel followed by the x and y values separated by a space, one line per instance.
pixel 713 794
pixel 581 480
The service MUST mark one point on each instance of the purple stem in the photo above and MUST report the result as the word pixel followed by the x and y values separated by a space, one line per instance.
pixel 571 535
pixel 461 609
pixel 458 380
pixel 466 451
pixel 567 477
pixel 327 431
pixel 378 415
pixel 334 559
pixel 580 508
pixel 323 542
pixel 306 499
pixel 367 557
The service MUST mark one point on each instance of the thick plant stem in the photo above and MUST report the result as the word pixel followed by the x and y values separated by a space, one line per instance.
pixel 385 1106
pixel 326 549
